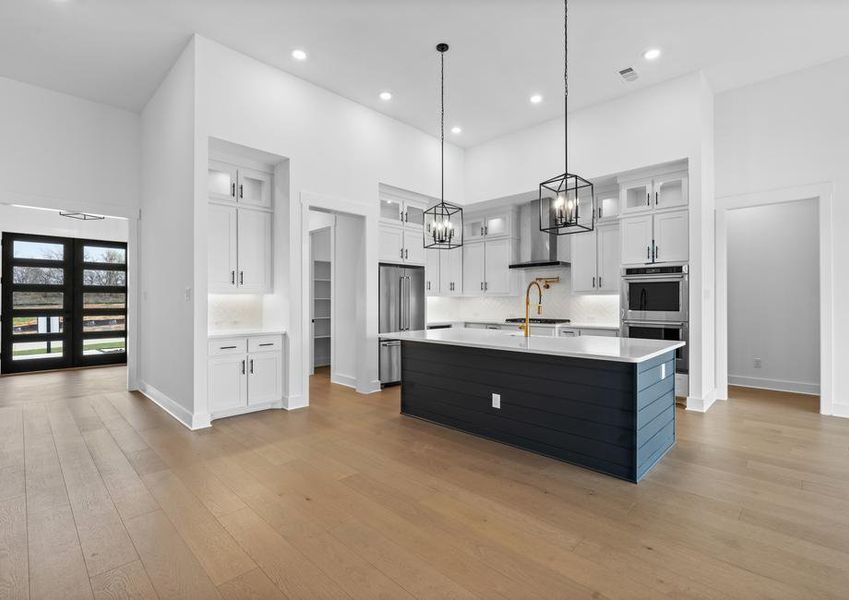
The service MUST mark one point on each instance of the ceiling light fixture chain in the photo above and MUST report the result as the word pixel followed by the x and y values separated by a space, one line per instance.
pixel 442 116
pixel 566 84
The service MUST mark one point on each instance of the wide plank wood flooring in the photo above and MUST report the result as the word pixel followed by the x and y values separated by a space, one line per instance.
pixel 103 495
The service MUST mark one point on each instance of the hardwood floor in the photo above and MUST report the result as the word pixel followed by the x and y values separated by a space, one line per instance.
pixel 103 495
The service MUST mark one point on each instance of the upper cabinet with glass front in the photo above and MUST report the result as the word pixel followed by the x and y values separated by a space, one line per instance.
pixel 240 185
pixel 402 208
pixel 654 193
pixel 496 223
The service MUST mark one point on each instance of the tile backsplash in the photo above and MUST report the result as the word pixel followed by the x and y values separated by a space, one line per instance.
pixel 234 311
pixel 557 302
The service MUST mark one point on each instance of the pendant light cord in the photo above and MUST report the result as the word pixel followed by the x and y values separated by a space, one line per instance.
pixel 565 87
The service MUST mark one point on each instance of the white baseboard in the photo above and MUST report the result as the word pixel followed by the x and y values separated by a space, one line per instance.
pixel 173 408
pixel 701 404
pixel 342 379
pixel 295 402
pixel 779 385
pixel 243 410
pixel 371 388
pixel 840 410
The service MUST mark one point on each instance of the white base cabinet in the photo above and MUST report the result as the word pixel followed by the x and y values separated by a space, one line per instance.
pixel 244 374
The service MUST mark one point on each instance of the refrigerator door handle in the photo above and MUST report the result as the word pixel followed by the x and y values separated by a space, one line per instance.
pixel 406 284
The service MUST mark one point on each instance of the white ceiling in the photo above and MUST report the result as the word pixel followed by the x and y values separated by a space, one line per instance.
pixel 117 51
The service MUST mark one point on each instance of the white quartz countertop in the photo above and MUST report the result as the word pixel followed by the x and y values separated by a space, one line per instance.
pixel 226 333
pixel 630 350
pixel 576 325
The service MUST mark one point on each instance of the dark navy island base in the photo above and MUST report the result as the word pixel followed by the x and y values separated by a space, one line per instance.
pixel 613 417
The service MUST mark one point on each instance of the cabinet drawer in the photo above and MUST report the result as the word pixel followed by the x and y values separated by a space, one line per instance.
pixel 222 346
pixel 267 343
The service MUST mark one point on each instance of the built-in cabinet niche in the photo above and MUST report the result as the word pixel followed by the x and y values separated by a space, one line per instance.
pixel 401 226
pixel 239 229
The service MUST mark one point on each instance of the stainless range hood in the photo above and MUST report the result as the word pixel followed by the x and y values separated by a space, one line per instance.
pixel 537 248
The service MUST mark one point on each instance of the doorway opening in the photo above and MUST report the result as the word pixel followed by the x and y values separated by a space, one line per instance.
pixel 774 305
pixel 64 303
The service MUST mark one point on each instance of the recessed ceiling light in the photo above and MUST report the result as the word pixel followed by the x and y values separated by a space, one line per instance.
pixel 299 54
pixel 385 96
pixel 456 130
pixel 535 99
pixel 652 54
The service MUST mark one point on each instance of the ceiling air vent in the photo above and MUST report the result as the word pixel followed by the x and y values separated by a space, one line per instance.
pixel 628 74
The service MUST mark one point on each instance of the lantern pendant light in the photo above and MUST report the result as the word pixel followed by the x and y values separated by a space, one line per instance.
pixel 567 201
pixel 443 223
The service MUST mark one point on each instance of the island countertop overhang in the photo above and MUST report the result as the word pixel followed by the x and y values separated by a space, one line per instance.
pixel 616 349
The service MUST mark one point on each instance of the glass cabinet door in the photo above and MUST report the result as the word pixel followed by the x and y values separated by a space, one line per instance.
pixel 473 228
pixel 390 210
pixel 637 196
pixel 670 191
pixel 221 182
pixel 414 214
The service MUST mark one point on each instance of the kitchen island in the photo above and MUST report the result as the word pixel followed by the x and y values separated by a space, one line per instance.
pixel 605 403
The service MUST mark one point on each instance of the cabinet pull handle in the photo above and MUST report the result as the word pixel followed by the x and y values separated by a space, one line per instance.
pixel 233 189
pixel 243 367
pixel 648 252
pixel 481 231
pixel 406 253
pixel 648 198
pixel 241 278
pixel 402 253
pixel 656 252
pixel 406 216
pixel 232 277
pixel 481 285
pixel 655 197
pixel 599 282
pixel 266 344
pixel 227 347
pixel 252 366
pixel 241 191
pixel 485 285
pixel 593 282
pixel 599 212
pixel 486 229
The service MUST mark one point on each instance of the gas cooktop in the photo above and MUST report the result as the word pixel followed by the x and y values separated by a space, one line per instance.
pixel 537 321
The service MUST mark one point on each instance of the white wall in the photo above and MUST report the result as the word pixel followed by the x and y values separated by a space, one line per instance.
pixel 64 152
pixel 168 322
pixel 773 299
pixel 793 131
pixel 664 123
pixel 336 148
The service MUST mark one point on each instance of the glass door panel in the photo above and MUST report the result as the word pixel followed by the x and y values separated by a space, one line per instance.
pixel 36 303
pixel 65 305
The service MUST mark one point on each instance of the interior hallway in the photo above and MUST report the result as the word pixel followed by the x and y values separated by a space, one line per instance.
pixel 102 493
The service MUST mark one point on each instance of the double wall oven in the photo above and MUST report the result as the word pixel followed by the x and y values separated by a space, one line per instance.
pixel 655 305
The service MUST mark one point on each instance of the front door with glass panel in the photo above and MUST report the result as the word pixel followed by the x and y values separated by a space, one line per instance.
pixel 64 303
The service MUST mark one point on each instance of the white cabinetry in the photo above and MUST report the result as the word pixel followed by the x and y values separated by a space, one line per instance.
pixel 654 238
pixel 654 193
pixel 499 223
pixel 244 374
pixel 239 230
pixel 451 272
pixel 596 259
pixel 443 272
pixel 400 237
pixel 486 267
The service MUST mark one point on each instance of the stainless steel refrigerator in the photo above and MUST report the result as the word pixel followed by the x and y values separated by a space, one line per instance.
pixel 402 308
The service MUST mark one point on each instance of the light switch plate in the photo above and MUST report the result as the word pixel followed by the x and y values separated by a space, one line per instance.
pixel 496 401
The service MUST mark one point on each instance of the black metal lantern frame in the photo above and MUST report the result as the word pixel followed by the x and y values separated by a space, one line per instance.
pixel 443 223
pixel 443 227
pixel 566 205
pixel 561 197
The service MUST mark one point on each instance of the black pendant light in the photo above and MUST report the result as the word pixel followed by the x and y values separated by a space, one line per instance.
pixel 443 223
pixel 566 202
